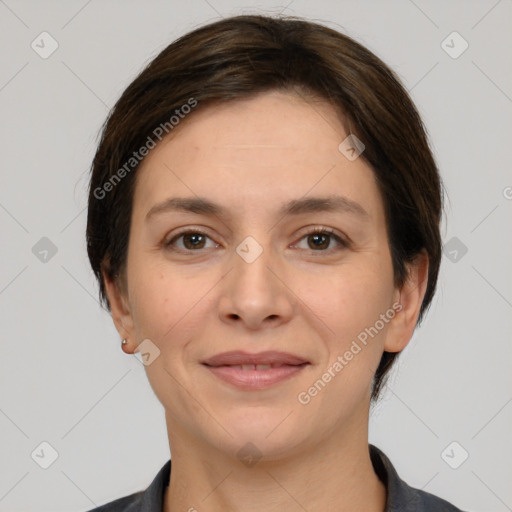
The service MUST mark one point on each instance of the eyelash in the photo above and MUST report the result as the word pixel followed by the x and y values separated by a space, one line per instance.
pixel 317 230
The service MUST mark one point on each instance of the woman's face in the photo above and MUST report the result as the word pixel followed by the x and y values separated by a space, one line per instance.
pixel 253 276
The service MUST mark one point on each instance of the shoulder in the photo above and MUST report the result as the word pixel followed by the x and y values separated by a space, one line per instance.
pixel 416 499
pixel 401 497
pixel 131 503
pixel 149 500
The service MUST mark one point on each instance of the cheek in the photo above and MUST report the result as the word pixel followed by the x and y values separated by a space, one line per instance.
pixel 351 304
pixel 168 304
pixel 351 295
pixel 158 303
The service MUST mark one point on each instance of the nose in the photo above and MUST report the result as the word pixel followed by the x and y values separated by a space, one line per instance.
pixel 256 293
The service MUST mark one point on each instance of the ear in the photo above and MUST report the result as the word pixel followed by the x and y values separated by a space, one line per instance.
pixel 410 296
pixel 120 309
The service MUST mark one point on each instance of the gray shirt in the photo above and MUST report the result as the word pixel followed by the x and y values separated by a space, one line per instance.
pixel 400 496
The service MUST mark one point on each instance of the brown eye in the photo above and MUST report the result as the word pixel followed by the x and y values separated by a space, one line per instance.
pixel 191 241
pixel 319 240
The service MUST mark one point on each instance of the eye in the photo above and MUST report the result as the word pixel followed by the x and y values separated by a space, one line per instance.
pixel 320 238
pixel 192 240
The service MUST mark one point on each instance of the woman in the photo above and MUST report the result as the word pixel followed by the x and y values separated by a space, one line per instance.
pixel 263 221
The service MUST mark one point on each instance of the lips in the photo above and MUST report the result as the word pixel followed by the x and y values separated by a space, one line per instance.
pixel 255 366
pixel 255 371
pixel 259 361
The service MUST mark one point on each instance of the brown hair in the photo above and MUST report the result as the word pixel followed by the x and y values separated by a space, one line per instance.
pixel 236 58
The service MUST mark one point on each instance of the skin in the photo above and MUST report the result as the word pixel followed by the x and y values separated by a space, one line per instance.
pixel 252 156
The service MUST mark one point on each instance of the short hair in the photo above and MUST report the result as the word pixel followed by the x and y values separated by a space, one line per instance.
pixel 236 58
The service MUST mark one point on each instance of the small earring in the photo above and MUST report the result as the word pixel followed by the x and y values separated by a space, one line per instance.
pixel 124 342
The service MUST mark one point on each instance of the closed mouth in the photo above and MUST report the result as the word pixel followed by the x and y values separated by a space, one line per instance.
pixel 255 366
pixel 256 371
pixel 258 361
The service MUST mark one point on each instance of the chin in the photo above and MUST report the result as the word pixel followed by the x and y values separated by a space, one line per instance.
pixel 265 432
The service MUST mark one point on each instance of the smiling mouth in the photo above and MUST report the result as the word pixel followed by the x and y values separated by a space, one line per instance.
pixel 259 367
pixel 254 377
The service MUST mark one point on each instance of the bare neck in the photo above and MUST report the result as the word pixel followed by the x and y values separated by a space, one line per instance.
pixel 335 474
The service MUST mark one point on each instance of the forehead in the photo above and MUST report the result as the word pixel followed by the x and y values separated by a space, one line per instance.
pixel 266 123
pixel 271 148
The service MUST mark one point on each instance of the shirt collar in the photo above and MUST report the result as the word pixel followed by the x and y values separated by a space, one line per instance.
pixel 400 496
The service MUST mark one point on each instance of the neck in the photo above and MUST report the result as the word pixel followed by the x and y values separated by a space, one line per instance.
pixel 336 474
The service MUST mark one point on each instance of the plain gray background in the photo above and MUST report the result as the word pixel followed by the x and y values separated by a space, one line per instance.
pixel 63 377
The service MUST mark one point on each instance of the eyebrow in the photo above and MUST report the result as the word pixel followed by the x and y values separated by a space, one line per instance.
pixel 202 206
